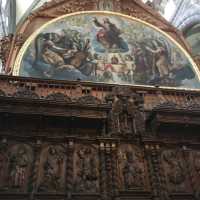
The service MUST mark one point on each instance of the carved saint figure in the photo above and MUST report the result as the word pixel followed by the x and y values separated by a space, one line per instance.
pixel 132 172
pixel 176 175
pixel 126 115
pixel 52 170
pixel 87 177
pixel 19 163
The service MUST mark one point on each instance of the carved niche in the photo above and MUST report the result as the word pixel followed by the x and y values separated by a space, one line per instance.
pixel 20 158
pixel 132 167
pixel 127 115
pixel 86 165
pixel 51 169
pixel 175 170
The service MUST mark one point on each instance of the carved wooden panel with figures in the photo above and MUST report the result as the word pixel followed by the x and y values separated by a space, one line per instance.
pixel 94 139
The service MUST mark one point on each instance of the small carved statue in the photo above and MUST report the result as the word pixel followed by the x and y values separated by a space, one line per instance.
pixel 19 163
pixel 52 170
pixel 126 116
pixel 132 172
pixel 87 176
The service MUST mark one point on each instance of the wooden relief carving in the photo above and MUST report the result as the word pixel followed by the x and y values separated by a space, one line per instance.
pixel 58 97
pixel 26 93
pixel 195 171
pixel 131 168
pixel 19 168
pixel 51 172
pixel 5 47
pixel 86 179
pixel 3 167
pixel 88 99
pixel 127 116
pixel 105 5
pixel 175 171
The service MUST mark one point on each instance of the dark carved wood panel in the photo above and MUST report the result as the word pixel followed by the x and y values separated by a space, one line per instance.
pixel 106 146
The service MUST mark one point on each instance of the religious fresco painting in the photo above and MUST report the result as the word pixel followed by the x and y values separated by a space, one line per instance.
pixel 107 48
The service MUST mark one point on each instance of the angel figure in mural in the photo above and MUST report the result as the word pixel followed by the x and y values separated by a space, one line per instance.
pixel 109 36
pixel 62 55
pixel 160 61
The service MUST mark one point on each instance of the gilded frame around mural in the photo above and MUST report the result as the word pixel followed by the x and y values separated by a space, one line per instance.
pixel 18 61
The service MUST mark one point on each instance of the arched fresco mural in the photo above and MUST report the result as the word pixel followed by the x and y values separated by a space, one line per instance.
pixel 106 47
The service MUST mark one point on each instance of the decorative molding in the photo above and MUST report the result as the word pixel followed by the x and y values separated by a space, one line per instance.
pixel 26 93
pixel 88 99
pixel 58 97
pixel 5 48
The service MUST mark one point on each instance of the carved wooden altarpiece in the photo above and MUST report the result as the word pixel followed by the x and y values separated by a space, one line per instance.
pixel 73 140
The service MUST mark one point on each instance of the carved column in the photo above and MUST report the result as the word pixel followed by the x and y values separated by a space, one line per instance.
pixel 69 168
pixel 107 173
pixel 35 167
pixel 109 170
pixel 102 158
pixel 115 180
pixel 153 159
